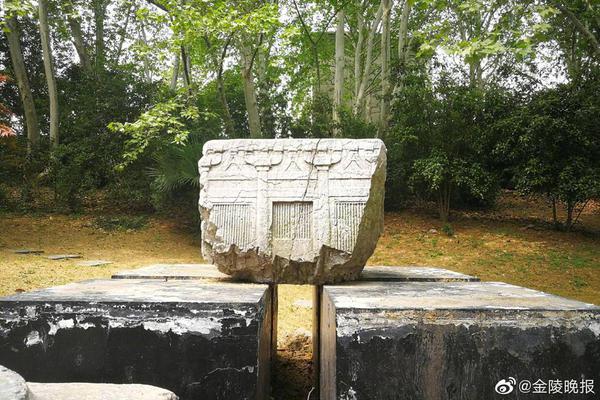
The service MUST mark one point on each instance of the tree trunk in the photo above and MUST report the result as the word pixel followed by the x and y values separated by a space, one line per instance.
pixel 359 101
pixel 402 50
pixel 123 35
pixel 16 55
pixel 385 67
pixel 49 71
pixel 555 214
pixel 584 30
pixel 144 39
pixel 402 33
pixel 175 76
pixel 187 78
pixel 79 43
pixel 264 102
pixel 475 74
pixel 250 92
pixel 338 87
pixel 444 202
pixel 358 50
pixel 99 18
pixel 569 220
pixel 227 119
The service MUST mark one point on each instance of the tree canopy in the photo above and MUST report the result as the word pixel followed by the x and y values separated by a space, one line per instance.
pixel 469 96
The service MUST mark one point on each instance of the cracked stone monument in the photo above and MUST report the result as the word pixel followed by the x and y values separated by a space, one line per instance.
pixel 306 211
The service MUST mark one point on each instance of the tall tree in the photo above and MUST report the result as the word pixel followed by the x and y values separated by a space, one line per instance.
pixel 359 101
pixel 74 21
pixel 49 71
pixel 585 30
pixel 338 90
pixel 16 55
pixel 386 6
pixel 99 8
pixel 247 58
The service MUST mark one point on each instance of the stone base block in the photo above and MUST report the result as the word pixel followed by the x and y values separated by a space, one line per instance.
pixel 12 385
pixel 454 340
pixel 96 391
pixel 413 273
pixel 203 272
pixel 199 340
pixel 175 271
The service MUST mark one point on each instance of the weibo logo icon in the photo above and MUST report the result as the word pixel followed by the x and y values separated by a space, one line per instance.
pixel 505 386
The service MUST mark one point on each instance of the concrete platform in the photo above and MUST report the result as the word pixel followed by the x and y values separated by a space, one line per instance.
pixel 451 340
pixel 409 273
pixel 174 271
pixel 199 340
pixel 413 273
pixel 12 385
pixel 203 272
pixel 96 391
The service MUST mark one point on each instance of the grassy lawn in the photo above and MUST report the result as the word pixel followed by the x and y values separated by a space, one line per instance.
pixel 513 243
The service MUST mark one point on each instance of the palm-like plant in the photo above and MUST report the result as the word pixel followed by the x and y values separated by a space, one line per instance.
pixel 177 166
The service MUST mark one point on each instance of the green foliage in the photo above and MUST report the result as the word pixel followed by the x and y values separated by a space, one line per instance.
pixel 89 153
pixel 455 136
pixel 176 170
pixel 315 120
pixel 13 155
pixel 353 126
pixel 207 98
pixel 558 147
pixel 448 230
pixel 441 147
pixel 166 122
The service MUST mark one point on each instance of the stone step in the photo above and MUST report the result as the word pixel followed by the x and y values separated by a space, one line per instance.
pixel 12 385
pixel 174 271
pixel 97 391
pixel 413 273
pixel 93 263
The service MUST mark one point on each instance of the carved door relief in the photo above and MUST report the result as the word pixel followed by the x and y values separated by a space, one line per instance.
pixel 347 216
pixel 292 220
pixel 234 222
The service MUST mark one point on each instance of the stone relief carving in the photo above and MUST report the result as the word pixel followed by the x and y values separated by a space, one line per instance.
pixel 291 210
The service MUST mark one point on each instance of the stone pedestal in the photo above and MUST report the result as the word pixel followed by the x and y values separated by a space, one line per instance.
pixel 12 385
pixel 96 391
pixel 452 340
pixel 175 271
pixel 203 272
pixel 199 340
pixel 413 273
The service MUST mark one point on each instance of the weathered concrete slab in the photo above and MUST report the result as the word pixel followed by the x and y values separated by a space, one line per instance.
pixel 57 257
pixel 205 272
pixel 12 385
pixel 302 211
pixel 93 263
pixel 451 340
pixel 97 391
pixel 413 273
pixel 196 339
pixel 174 271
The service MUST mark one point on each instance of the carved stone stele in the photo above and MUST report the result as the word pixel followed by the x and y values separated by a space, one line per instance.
pixel 291 210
